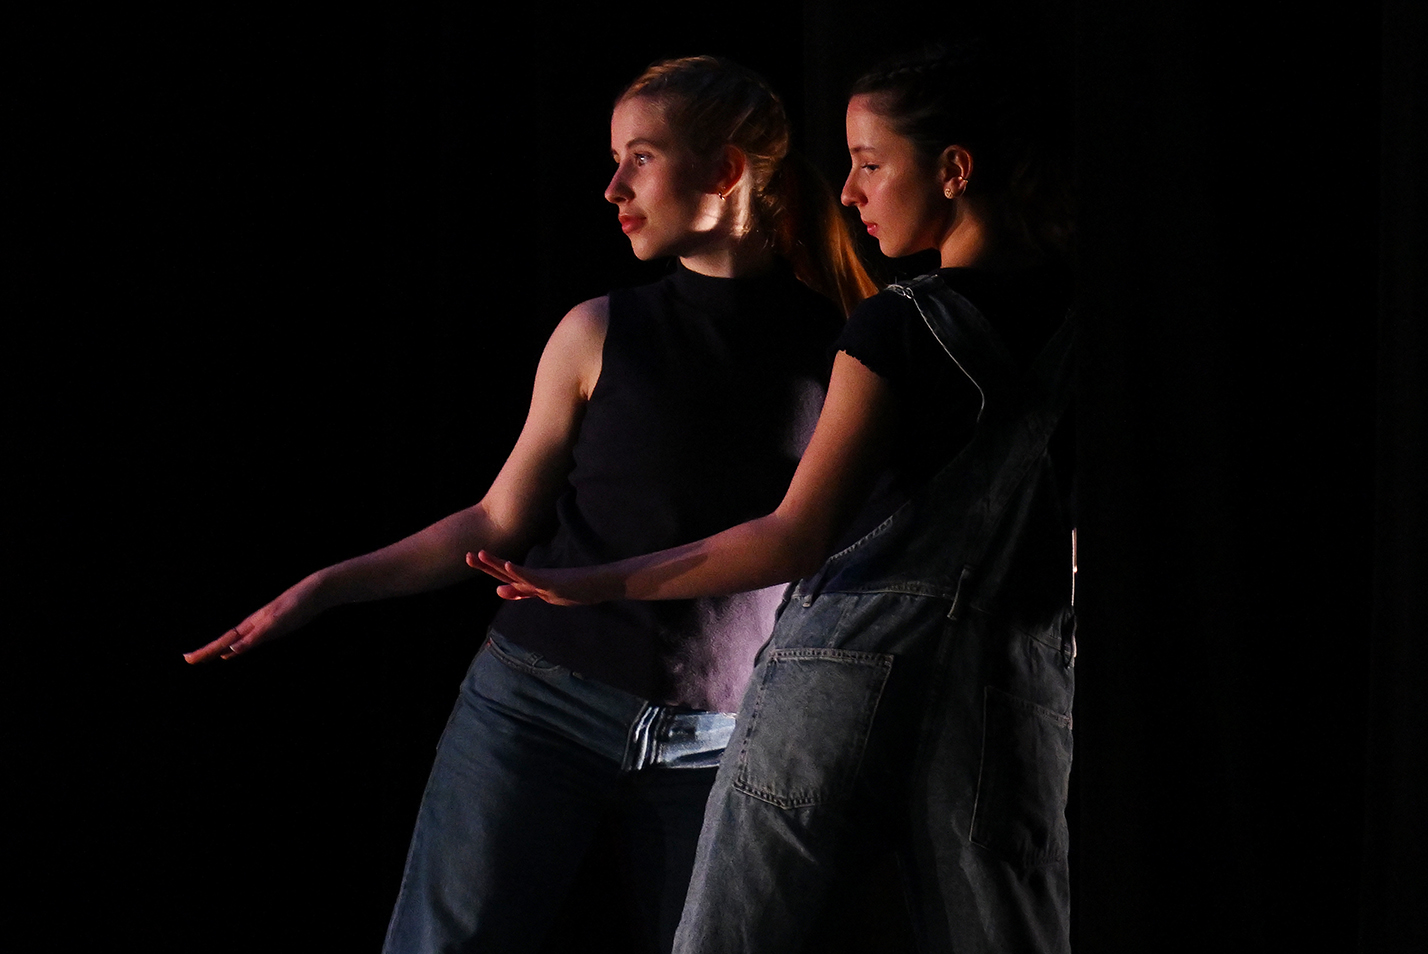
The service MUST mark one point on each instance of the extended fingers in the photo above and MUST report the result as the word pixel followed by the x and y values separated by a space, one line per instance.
pixel 478 561
pixel 226 646
pixel 514 591
pixel 240 642
pixel 207 653
pixel 513 585
pixel 492 565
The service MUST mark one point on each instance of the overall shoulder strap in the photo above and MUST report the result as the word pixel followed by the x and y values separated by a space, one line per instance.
pixel 967 337
pixel 964 333
pixel 1019 410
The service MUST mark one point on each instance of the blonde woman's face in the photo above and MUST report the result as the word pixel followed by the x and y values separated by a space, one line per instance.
pixel 659 186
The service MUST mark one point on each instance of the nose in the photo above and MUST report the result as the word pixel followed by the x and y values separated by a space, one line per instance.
pixel 617 191
pixel 850 195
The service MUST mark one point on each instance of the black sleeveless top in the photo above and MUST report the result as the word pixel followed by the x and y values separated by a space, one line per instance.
pixel 708 392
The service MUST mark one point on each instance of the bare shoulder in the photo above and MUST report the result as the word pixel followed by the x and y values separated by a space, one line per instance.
pixel 589 318
pixel 578 343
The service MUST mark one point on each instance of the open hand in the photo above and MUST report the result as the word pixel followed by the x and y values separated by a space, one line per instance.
pixel 572 587
pixel 295 606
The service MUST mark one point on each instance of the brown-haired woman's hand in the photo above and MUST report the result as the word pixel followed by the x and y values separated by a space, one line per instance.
pixel 568 587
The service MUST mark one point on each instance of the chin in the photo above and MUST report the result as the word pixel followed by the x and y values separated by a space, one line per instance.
pixel 901 249
pixel 645 251
pixel 892 250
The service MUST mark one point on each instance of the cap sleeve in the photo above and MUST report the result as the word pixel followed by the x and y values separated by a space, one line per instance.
pixel 886 334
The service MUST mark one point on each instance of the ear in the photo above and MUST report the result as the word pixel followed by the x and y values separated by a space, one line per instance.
pixel 729 169
pixel 954 171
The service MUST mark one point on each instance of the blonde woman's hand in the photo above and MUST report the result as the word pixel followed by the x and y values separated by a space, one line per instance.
pixel 294 607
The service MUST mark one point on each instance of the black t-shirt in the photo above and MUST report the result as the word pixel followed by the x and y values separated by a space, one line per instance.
pixel 937 405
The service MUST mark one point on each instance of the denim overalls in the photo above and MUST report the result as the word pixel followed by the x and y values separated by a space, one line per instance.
pixel 916 693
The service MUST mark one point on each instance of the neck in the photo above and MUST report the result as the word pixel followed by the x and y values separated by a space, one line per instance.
pixel 734 249
pixel 972 241
pixel 738 258
pixel 968 241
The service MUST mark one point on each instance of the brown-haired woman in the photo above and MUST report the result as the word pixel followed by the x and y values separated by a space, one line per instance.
pixel 659 414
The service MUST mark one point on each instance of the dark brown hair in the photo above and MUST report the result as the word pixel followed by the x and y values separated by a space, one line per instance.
pixel 990 103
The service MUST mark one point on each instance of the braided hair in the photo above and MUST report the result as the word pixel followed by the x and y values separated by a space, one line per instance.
pixel 975 97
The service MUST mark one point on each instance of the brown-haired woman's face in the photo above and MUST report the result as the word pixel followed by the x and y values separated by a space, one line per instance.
pixel 895 189
pixel 659 185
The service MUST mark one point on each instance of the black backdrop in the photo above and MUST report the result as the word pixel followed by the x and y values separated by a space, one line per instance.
pixel 283 277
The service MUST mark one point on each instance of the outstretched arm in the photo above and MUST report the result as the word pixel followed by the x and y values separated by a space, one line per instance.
pixel 848 447
pixel 507 517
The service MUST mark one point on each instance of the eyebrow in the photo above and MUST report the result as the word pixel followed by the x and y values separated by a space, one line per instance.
pixel 638 142
pixel 854 150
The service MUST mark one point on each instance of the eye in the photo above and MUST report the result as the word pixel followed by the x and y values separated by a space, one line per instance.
pixel 641 158
pixel 870 167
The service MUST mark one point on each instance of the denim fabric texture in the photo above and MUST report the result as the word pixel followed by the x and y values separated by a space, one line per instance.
pixel 915 697
pixel 534 759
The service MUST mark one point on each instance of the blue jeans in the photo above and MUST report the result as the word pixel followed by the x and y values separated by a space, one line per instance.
pixel 533 761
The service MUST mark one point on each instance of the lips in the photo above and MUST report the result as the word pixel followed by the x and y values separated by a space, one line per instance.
pixel 631 223
pixel 872 228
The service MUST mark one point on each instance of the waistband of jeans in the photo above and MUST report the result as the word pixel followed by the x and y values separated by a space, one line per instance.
pixel 666 737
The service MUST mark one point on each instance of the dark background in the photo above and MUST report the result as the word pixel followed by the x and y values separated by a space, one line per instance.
pixel 280 279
